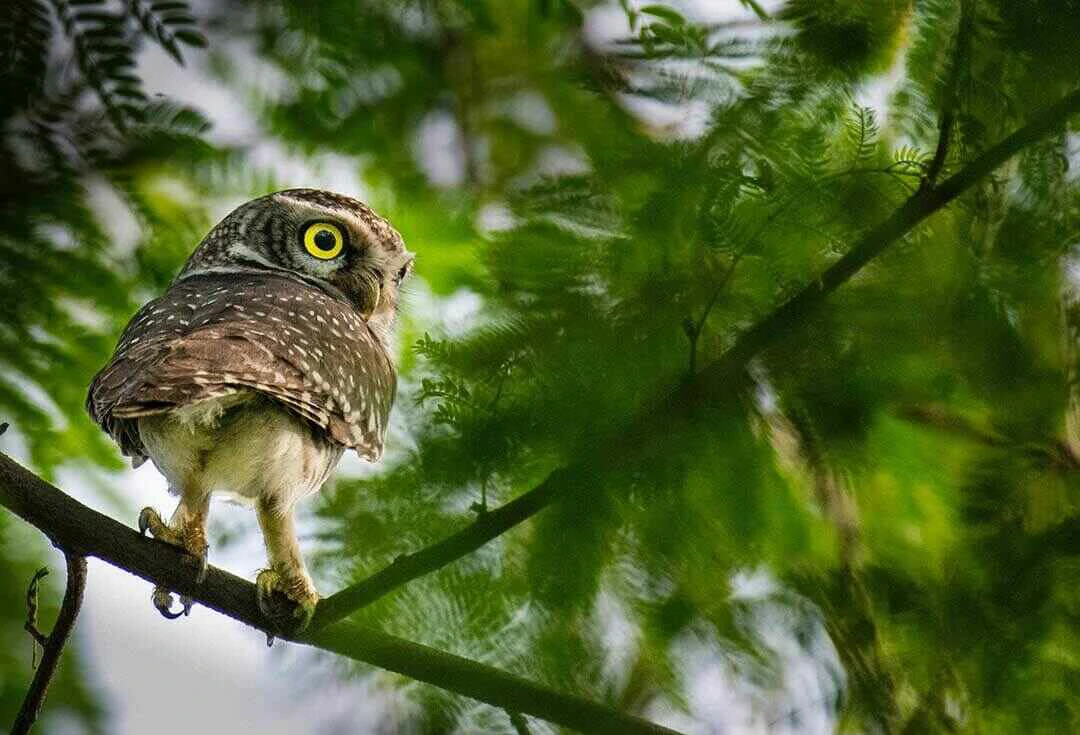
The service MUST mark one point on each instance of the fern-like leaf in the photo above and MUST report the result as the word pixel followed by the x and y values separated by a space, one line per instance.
pixel 169 24
pixel 105 52
pixel 908 159
pixel 25 30
pixel 862 133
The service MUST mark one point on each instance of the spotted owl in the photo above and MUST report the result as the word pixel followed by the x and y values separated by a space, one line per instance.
pixel 264 360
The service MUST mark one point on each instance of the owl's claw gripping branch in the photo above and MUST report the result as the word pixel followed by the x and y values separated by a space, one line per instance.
pixel 191 537
pixel 290 603
pixel 150 520
pixel 163 599
pixel 203 565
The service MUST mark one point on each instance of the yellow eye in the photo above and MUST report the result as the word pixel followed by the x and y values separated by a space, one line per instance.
pixel 323 240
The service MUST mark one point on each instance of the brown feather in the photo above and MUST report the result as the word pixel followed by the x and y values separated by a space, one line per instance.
pixel 214 335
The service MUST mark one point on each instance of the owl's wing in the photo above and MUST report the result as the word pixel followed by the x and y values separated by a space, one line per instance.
pixel 211 336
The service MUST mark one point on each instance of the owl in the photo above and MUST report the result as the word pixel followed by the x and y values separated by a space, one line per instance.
pixel 261 364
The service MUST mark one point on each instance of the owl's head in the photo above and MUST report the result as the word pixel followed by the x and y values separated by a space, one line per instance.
pixel 329 239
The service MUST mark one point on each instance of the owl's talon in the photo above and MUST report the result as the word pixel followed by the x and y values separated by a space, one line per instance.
pixel 144 520
pixel 192 539
pixel 201 565
pixel 149 520
pixel 304 612
pixel 163 600
pixel 265 585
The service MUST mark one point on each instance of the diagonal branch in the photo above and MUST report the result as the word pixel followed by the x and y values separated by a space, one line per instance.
pixel 53 644
pixel 408 567
pixel 714 379
pixel 81 531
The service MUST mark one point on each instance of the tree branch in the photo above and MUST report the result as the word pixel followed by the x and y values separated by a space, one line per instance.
pixel 716 378
pixel 408 567
pixel 951 95
pixel 53 645
pixel 81 531
pixel 474 680
pixel 1052 453
pixel 694 327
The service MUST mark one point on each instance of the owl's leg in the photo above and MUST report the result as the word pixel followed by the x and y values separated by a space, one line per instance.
pixel 186 529
pixel 287 574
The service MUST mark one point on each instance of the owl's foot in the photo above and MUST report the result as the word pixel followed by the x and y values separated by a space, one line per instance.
pixel 287 599
pixel 163 601
pixel 190 537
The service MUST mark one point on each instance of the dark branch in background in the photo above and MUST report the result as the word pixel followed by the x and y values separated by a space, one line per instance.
pixel 694 327
pixel 410 566
pixel 713 379
pixel 53 644
pixel 82 531
pixel 951 93
pixel 1053 453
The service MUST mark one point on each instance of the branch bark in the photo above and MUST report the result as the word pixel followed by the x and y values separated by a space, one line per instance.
pixel 53 645
pixel 81 531
pixel 714 379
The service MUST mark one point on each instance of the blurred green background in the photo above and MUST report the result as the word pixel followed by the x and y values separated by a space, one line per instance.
pixel 875 528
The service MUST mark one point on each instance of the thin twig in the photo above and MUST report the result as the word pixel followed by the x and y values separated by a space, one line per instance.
pixel 893 169
pixel 40 639
pixel 694 328
pixel 755 6
pixel 53 644
pixel 716 377
pixel 504 373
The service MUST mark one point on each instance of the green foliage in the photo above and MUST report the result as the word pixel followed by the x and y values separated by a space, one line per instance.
pixel 902 462
pixel 850 37
pixel 76 124
pixel 76 121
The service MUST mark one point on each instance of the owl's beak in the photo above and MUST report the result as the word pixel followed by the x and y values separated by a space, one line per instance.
pixel 369 291
pixel 373 302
